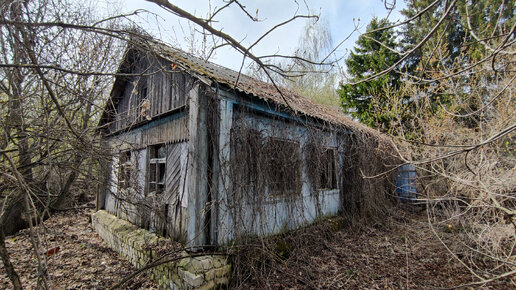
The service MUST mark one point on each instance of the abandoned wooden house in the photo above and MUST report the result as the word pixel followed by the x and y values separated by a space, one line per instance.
pixel 204 154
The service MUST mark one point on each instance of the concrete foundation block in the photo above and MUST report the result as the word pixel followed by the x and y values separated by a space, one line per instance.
pixel 191 279
pixel 136 244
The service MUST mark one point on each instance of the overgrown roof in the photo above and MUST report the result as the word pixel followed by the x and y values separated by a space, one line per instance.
pixel 209 73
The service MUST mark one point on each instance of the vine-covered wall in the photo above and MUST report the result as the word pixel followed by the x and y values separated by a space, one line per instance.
pixel 226 164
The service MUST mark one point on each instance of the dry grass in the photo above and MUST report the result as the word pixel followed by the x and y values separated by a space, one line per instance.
pixel 400 253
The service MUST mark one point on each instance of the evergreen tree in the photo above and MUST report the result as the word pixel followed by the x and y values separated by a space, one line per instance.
pixel 449 36
pixel 463 38
pixel 365 101
pixel 453 42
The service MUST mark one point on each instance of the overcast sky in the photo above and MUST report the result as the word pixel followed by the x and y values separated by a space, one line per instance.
pixel 337 14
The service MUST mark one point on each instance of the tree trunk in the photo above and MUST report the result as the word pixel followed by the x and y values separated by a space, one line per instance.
pixel 12 208
pixel 16 128
pixel 13 276
pixel 10 202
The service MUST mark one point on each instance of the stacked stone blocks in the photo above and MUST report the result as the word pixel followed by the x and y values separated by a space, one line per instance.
pixel 136 245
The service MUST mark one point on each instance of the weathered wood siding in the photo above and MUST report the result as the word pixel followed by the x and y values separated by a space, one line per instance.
pixel 176 190
pixel 170 129
pixel 163 213
pixel 173 175
pixel 262 213
pixel 158 90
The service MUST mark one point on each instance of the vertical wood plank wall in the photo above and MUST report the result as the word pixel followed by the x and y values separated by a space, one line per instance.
pixel 175 190
pixel 166 89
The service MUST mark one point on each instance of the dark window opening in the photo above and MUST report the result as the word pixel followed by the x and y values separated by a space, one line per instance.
pixel 142 89
pixel 157 169
pixel 283 167
pixel 247 146
pixel 177 89
pixel 328 170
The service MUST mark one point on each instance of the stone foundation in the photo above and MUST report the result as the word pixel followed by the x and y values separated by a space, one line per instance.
pixel 136 245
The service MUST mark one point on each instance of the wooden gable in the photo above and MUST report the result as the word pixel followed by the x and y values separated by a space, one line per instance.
pixel 148 87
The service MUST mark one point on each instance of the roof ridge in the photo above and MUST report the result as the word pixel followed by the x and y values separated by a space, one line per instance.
pixel 266 91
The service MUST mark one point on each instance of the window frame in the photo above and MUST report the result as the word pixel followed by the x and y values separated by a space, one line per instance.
pixel 247 148
pixel 124 169
pixel 328 179
pixel 156 169
pixel 277 163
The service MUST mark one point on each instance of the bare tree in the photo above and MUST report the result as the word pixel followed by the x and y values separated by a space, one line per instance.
pixel 461 135
pixel 55 65
pixel 48 126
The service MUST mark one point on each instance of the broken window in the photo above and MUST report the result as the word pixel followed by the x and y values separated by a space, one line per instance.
pixel 328 169
pixel 157 169
pixel 283 166
pixel 124 169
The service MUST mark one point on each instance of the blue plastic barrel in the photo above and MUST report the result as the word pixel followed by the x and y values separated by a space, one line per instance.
pixel 406 183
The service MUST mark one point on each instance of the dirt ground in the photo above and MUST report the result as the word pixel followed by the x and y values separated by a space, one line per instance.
pixel 400 254
pixel 83 261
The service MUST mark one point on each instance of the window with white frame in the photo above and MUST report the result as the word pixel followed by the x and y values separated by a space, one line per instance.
pixel 157 169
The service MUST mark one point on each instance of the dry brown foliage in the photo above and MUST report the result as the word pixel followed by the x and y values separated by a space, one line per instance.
pixel 465 151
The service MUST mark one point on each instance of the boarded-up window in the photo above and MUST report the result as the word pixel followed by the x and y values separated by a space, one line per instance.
pixel 283 166
pixel 157 169
pixel 328 170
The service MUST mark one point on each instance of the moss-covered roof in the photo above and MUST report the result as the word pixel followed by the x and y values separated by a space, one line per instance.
pixel 212 73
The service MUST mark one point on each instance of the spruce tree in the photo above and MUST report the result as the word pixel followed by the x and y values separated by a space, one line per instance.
pixel 372 54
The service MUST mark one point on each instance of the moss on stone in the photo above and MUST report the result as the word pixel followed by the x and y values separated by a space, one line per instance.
pixel 134 243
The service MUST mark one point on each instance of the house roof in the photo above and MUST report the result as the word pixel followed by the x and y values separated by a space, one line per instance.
pixel 210 72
